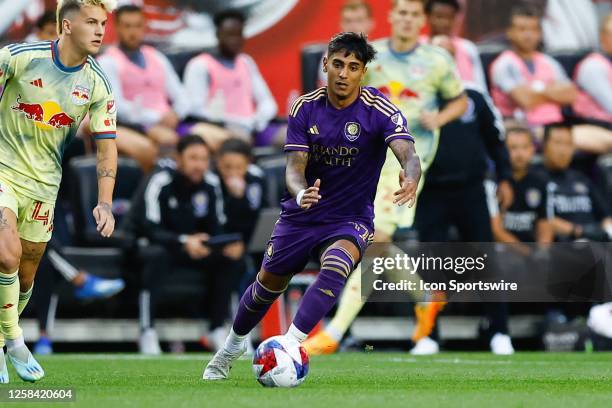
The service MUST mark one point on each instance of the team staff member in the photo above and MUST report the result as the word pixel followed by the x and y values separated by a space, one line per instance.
pixel 528 217
pixel 454 194
pixel 183 210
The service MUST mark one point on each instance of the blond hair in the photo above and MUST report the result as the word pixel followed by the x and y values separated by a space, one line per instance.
pixel 66 6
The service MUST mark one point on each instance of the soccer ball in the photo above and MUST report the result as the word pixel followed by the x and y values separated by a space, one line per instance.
pixel 280 362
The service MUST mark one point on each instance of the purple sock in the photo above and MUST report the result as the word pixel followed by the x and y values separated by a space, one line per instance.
pixel 336 265
pixel 254 304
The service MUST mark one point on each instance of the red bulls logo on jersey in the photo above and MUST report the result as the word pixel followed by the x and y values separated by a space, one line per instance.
pixel 47 115
pixel 80 95
pixel 32 111
pixel 60 120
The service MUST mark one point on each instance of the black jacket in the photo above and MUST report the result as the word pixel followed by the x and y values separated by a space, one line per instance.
pixel 173 207
pixel 243 213
pixel 574 198
pixel 466 144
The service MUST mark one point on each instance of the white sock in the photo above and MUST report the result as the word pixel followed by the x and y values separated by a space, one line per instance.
pixel 296 333
pixel 334 333
pixel 234 342
pixel 12 344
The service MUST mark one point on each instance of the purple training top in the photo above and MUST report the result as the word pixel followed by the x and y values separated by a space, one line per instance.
pixel 347 151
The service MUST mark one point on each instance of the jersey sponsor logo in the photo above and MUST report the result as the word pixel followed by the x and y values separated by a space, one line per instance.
pixel 110 107
pixel 334 155
pixel 80 95
pixel 533 197
pixel 47 115
pixel 200 204
pixel 32 111
pixel 60 120
pixel 352 131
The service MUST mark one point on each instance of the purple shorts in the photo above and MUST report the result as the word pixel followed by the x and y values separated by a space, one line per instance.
pixel 292 246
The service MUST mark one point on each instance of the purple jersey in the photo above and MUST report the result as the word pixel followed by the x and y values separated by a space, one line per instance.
pixel 347 148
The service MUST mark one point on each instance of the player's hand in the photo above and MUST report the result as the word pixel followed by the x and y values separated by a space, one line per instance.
pixel 407 191
pixel 105 221
pixel 429 120
pixel 311 196
pixel 444 41
pixel 234 250
pixel 195 248
pixel 236 186
pixel 505 194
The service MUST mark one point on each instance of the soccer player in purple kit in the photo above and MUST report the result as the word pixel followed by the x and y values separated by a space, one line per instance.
pixel 336 145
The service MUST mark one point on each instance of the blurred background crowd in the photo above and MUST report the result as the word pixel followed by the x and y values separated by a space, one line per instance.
pixel 202 90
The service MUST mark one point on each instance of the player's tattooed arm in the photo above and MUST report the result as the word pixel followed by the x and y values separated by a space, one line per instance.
pixel 295 178
pixel 4 224
pixel 410 175
pixel 106 170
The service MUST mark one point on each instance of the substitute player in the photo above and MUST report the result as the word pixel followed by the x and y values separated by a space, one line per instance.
pixel 48 88
pixel 336 142
pixel 414 76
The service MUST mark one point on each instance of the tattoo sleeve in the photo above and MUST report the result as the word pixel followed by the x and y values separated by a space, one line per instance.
pixel 3 221
pixel 104 172
pixel 406 155
pixel 295 175
pixel 106 169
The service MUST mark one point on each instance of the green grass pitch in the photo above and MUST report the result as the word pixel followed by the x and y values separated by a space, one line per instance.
pixel 347 380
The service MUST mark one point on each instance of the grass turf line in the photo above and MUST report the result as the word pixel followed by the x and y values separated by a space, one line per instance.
pixel 339 381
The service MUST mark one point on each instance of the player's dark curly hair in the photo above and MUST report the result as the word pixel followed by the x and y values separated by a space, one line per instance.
pixel 352 43
pixel 453 3
pixel 230 14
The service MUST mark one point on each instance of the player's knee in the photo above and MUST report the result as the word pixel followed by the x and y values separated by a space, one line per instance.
pixel 260 296
pixel 10 256
pixel 273 282
pixel 25 282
